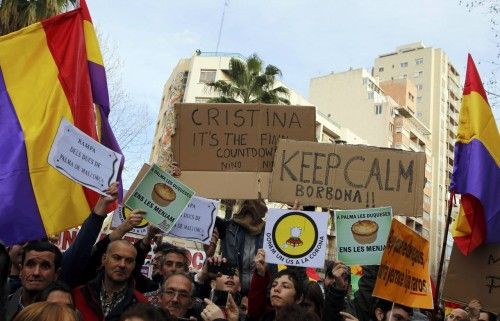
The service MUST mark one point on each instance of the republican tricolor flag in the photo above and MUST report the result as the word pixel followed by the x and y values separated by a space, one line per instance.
pixel 476 169
pixel 48 70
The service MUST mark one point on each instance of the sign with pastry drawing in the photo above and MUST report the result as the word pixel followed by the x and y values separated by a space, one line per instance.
pixel 295 238
pixel 362 234
pixel 163 197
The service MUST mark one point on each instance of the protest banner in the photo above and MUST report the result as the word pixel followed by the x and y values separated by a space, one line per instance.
pixel 362 234
pixel 348 176
pixel 161 196
pixel 296 238
pixel 403 276
pixel 235 142
pixel 197 220
pixel 82 159
pixel 475 276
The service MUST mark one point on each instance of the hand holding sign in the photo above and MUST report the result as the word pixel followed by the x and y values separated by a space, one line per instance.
pixel 260 262
pixel 340 273
pixel 100 207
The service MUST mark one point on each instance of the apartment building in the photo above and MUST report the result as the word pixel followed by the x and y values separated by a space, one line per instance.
pixel 437 106
pixel 382 114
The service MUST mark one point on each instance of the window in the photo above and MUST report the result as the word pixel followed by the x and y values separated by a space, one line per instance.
pixel 411 97
pixel 419 99
pixel 419 61
pixel 403 76
pixel 404 64
pixel 420 87
pixel 420 73
pixel 378 109
pixel 370 95
pixel 380 69
pixel 207 75
pixel 391 127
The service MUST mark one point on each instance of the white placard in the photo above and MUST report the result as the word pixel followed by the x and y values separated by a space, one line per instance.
pixel 82 159
pixel 197 221
pixel 296 238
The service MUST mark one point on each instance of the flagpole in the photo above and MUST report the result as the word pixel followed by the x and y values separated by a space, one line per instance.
pixel 443 251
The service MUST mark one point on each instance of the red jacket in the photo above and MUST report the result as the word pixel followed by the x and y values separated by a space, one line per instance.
pixel 87 301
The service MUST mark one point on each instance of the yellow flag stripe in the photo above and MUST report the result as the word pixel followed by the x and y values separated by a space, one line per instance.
pixel 40 103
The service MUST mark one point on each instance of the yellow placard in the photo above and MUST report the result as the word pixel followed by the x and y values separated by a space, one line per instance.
pixel 403 275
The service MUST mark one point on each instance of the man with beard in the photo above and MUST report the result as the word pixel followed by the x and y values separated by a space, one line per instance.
pixel 108 295
pixel 40 264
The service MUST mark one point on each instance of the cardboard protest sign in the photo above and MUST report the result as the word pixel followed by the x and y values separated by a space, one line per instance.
pixel 82 159
pixel 475 276
pixel 236 137
pixel 403 276
pixel 197 221
pixel 362 234
pixel 296 237
pixel 348 176
pixel 218 143
pixel 161 196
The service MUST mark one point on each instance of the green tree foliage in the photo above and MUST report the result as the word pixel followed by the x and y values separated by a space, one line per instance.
pixel 17 14
pixel 250 83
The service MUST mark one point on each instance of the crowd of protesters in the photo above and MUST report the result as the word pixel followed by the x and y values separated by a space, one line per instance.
pixel 103 281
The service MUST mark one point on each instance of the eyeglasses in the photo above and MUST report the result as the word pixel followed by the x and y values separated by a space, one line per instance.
pixel 183 295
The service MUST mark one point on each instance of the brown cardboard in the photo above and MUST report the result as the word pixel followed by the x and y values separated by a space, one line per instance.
pixel 348 176
pixel 475 276
pixel 236 137
pixel 229 185
pixel 144 169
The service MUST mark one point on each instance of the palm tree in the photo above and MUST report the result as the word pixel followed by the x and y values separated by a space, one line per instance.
pixel 250 84
pixel 16 14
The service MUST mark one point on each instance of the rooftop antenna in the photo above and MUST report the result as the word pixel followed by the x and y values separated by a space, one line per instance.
pixel 226 4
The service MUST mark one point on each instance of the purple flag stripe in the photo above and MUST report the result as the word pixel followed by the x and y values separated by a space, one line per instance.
pixel 108 139
pixel 99 86
pixel 19 216
pixel 473 168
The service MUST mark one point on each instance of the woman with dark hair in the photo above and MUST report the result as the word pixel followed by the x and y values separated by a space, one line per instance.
pixel 313 298
pixel 286 289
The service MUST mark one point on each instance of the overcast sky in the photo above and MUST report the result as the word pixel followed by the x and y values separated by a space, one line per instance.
pixel 304 38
